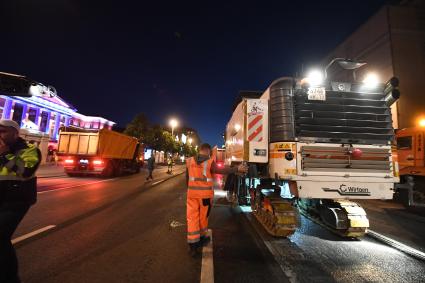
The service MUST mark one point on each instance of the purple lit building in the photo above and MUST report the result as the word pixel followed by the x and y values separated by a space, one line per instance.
pixel 46 115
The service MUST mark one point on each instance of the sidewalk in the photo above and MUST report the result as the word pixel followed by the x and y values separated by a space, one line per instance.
pixel 391 219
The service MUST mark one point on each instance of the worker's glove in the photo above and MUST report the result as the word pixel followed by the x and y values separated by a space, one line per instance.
pixel 243 168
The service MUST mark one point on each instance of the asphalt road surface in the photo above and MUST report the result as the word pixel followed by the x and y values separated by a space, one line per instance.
pixel 127 230
pixel 314 254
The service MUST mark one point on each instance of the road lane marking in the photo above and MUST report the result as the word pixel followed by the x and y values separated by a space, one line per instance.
pixel 31 234
pixel 157 182
pixel 207 267
pixel 396 244
pixel 176 223
pixel 76 186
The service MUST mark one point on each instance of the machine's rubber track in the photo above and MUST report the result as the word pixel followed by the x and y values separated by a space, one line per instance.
pixel 279 218
pixel 352 215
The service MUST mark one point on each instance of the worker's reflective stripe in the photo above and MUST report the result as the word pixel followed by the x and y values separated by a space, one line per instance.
pixel 201 179
pixel 194 233
pixel 205 168
pixel 200 188
pixel 191 241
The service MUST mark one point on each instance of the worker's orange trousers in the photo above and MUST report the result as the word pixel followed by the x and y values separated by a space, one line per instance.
pixel 197 218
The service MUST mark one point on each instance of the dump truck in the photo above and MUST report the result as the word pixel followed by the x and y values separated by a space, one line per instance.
pixel 313 146
pixel 411 160
pixel 106 153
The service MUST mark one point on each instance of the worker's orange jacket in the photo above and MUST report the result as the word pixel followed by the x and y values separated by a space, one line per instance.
pixel 201 182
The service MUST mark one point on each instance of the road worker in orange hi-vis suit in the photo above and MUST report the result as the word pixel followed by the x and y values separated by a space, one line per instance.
pixel 200 194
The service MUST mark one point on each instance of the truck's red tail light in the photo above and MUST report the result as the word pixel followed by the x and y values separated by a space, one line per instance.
pixel 97 162
pixel 220 164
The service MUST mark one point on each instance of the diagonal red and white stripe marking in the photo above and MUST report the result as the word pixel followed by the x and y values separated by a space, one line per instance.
pixel 255 128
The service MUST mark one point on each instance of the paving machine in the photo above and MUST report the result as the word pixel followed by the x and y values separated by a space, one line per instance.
pixel 314 145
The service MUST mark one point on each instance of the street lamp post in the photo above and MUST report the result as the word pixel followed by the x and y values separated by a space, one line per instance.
pixel 173 124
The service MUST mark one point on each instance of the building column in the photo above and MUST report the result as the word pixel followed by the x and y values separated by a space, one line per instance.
pixel 47 130
pixel 67 118
pixel 57 125
pixel 24 113
pixel 7 108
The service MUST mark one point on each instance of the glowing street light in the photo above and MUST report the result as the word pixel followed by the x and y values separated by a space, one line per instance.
pixel 173 124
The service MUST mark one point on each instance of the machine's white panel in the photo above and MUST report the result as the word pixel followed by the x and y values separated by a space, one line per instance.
pixel 257 129
pixel 344 190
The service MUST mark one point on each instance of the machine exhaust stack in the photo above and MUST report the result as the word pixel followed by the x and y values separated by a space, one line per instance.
pixel 392 93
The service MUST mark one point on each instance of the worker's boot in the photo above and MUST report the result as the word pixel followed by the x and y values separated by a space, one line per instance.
pixel 205 240
pixel 194 249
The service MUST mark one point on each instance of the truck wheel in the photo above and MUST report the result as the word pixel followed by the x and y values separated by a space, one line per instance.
pixel 137 169
pixel 404 190
pixel 118 167
pixel 108 172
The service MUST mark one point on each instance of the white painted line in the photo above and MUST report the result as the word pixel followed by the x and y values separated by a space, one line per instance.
pixel 76 186
pixel 31 234
pixel 207 267
pixel 157 182
pixel 396 244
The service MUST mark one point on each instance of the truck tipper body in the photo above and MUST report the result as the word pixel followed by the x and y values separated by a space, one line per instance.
pixel 103 152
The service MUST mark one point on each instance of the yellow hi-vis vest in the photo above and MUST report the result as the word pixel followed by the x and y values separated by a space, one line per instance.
pixel 15 167
pixel 14 186
pixel 201 182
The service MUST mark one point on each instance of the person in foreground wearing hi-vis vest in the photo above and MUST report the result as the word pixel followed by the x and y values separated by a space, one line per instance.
pixel 200 193
pixel 18 191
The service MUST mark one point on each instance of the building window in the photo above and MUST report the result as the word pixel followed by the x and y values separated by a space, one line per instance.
pixel 17 113
pixel 2 103
pixel 62 121
pixel 32 114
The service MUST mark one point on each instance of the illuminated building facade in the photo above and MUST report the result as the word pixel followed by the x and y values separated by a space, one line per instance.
pixel 46 115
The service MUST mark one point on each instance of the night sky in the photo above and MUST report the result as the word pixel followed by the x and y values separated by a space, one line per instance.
pixel 116 59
